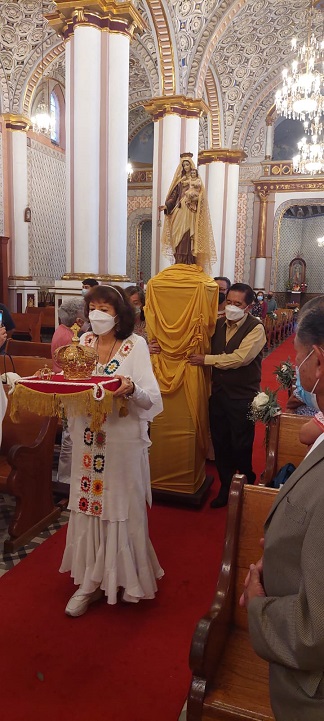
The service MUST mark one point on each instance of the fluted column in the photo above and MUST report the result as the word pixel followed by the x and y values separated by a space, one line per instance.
pixel 219 169
pixel 176 130
pixel 97 38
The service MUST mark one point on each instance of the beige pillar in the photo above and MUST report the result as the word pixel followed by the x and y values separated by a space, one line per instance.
pixel 219 168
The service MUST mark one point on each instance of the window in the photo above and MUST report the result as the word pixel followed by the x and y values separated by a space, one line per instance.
pixel 55 118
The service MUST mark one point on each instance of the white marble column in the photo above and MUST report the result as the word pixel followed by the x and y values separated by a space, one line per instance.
pixel 269 138
pixel 176 131
pixel 97 41
pixel 220 168
pixel 85 117
pixel 19 232
pixel 22 288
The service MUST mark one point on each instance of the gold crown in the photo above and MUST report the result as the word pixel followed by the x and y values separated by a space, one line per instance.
pixel 77 361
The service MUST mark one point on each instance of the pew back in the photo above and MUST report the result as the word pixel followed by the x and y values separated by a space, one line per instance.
pixel 284 445
pixel 28 348
pixel 229 681
pixel 26 324
pixel 23 365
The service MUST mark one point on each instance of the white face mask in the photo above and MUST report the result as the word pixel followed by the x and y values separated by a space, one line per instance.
pixel 101 322
pixel 234 313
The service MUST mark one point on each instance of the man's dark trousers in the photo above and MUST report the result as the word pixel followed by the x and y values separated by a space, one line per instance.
pixel 232 436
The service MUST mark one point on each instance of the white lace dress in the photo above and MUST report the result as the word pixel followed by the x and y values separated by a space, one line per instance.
pixel 107 541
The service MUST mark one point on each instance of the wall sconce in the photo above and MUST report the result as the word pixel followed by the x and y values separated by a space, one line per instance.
pixel 27 215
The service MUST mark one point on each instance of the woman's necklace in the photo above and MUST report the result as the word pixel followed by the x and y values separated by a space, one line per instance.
pixel 101 366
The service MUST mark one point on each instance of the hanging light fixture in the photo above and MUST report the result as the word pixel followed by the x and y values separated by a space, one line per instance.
pixel 300 96
pixel 320 242
pixel 42 121
pixel 310 158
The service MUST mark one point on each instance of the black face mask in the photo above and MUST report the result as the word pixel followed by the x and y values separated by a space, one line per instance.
pixel 269 297
pixel 221 297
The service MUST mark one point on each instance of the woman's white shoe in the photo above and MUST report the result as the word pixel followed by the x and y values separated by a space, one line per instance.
pixel 79 602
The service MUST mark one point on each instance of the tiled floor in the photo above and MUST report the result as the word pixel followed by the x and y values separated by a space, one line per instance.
pixel 9 560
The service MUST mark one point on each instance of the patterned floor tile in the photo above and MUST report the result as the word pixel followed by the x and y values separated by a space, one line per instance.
pixel 9 560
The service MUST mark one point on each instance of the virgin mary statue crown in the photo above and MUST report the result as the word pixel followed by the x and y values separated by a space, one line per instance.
pixel 77 361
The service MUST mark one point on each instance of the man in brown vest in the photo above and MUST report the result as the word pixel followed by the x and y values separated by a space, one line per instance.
pixel 236 374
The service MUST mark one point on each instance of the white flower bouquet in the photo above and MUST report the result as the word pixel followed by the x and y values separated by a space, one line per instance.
pixel 264 406
pixel 285 374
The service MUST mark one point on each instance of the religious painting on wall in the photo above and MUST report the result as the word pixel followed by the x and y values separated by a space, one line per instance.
pixel 297 275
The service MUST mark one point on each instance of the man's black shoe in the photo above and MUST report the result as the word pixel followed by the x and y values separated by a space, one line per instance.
pixel 220 501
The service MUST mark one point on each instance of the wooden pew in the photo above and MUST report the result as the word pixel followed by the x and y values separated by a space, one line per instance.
pixel 47 314
pixel 229 681
pixel 27 324
pixel 284 445
pixel 26 457
pixel 28 348
pixel 23 365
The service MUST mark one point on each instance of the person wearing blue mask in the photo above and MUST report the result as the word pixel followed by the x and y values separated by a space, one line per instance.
pixel 284 591
pixel 87 284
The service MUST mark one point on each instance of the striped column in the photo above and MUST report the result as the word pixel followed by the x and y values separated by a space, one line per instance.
pixel 220 168
pixel 97 39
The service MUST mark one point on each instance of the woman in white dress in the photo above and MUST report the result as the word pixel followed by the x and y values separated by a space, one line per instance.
pixel 108 546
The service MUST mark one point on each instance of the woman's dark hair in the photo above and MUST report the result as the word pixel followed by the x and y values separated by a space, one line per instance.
pixel 249 295
pixel 259 292
pixel 120 302
pixel 131 290
pixel 310 329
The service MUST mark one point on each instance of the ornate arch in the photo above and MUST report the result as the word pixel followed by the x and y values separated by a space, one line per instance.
pixel 276 233
pixel 34 78
pixel 212 101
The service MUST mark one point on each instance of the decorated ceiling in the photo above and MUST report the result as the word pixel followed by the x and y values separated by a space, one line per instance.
pixel 228 52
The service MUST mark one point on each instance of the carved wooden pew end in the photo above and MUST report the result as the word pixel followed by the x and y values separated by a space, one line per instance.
pixel 26 458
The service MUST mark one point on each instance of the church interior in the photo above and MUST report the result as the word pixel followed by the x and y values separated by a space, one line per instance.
pixel 99 102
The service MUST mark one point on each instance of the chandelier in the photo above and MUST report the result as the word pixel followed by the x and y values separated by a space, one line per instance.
pixel 310 158
pixel 129 170
pixel 300 96
pixel 42 121
pixel 320 242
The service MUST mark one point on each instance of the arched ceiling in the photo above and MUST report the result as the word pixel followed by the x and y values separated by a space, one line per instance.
pixel 232 51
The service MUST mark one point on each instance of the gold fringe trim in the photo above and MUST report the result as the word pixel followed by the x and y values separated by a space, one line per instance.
pixel 72 404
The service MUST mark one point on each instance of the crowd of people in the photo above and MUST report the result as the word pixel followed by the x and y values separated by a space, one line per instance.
pixel 108 551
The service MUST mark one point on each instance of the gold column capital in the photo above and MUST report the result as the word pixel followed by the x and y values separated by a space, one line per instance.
pixel 108 16
pixel 223 155
pixel 176 105
pixel 16 122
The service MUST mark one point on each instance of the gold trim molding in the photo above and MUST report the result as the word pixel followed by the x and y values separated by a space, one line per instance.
pixel 176 105
pixel 16 122
pixel 111 278
pixel 112 16
pixel 224 155
pixel 22 277
pixel 290 184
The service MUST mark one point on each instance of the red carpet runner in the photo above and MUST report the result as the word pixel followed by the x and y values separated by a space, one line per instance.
pixel 122 663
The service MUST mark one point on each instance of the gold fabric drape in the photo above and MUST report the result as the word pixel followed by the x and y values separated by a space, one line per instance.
pixel 180 312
